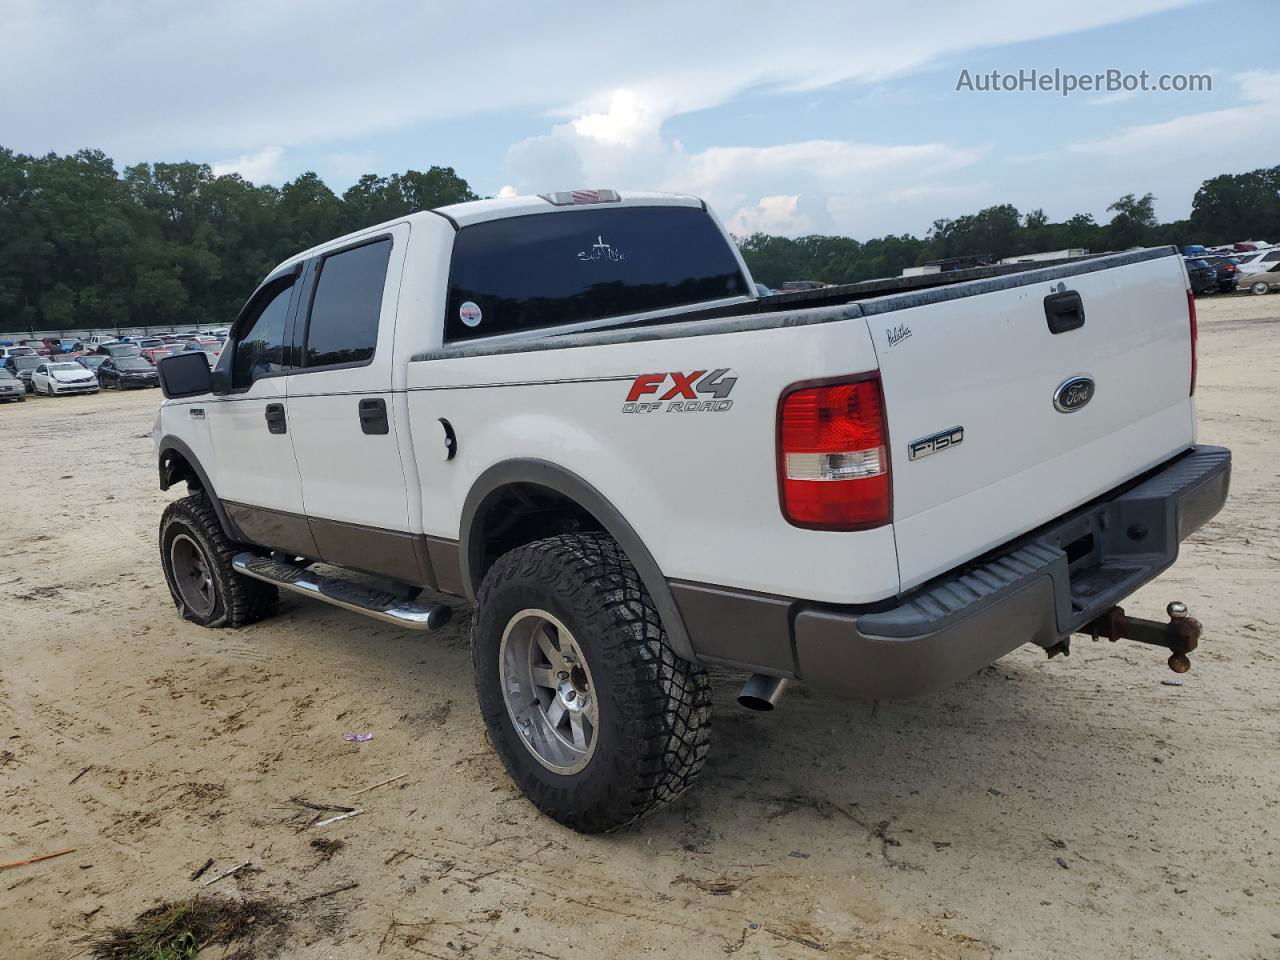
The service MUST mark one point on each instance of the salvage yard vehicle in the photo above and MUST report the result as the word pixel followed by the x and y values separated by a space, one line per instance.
pixel 126 373
pixel 575 411
pixel 11 388
pixel 22 367
pixel 150 346
pixel 1202 277
pixel 1262 283
pixel 119 348
pixel 7 352
pixel 210 347
pixel 60 377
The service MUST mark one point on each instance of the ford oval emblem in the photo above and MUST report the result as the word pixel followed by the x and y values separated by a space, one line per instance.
pixel 1073 394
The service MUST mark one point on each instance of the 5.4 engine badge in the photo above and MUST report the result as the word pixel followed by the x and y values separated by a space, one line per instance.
pixel 936 443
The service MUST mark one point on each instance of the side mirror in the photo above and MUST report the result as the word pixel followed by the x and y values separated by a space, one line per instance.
pixel 184 375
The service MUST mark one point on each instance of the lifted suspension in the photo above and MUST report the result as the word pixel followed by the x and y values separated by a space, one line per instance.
pixel 1180 635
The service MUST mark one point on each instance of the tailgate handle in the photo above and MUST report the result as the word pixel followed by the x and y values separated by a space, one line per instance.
pixel 1064 311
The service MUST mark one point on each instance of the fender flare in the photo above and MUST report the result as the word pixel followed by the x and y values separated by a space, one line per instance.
pixel 543 473
pixel 170 444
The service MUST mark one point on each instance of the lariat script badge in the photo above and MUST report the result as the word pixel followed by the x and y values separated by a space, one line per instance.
pixel 1072 394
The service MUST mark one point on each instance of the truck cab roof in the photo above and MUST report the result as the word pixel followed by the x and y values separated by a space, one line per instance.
pixel 497 208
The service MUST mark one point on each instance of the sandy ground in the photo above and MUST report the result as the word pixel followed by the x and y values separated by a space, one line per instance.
pixel 1072 808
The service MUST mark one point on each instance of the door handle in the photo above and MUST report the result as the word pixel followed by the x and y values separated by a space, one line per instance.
pixel 275 418
pixel 373 415
pixel 1064 311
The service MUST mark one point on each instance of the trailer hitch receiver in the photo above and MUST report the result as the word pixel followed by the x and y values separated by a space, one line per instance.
pixel 1180 635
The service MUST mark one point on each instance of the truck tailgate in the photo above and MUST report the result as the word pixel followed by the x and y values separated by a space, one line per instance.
pixel 978 366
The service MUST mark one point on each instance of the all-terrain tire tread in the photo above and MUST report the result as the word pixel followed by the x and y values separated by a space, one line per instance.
pixel 668 702
pixel 245 600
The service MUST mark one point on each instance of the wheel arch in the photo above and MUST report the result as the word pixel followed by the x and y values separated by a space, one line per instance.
pixel 177 462
pixel 506 479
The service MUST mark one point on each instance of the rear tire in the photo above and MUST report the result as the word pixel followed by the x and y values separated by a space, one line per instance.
pixel 196 556
pixel 647 723
pixel 1259 288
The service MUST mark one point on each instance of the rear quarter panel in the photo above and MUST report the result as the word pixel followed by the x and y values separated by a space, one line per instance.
pixel 699 488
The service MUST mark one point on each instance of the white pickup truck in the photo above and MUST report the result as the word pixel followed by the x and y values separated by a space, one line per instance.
pixel 575 411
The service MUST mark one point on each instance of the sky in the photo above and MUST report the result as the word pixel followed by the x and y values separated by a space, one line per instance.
pixel 804 117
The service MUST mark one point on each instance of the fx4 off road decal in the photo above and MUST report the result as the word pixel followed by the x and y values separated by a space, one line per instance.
pixel 695 392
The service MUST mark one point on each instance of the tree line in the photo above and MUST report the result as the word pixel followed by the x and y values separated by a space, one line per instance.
pixel 1225 209
pixel 83 245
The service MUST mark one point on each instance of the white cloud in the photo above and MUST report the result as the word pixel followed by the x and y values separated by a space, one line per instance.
pixel 1107 99
pixel 1255 124
pixel 792 188
pixel 778 215
pixel 238 75
pixel 508 191
pixel 261 167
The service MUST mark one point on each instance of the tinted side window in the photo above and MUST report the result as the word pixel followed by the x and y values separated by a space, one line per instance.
pixel 571 266
pixel 1271 257
pixel 343 327
pixel 260 349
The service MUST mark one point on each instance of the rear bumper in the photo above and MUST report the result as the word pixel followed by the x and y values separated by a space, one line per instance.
pixel 1036 589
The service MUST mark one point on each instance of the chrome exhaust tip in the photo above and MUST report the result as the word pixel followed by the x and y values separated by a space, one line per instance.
pixel 761 692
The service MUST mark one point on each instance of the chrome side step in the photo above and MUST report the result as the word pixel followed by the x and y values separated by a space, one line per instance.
pixel 410 614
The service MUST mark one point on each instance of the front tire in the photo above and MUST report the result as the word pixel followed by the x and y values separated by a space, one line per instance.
pixel 1259 288
pixel 196 556
pixel 592 713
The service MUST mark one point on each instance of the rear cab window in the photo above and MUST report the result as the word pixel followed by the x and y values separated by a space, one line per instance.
pixel 576 266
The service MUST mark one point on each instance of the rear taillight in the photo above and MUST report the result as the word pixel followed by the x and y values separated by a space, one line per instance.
pixel 1191 318
pixel 833 456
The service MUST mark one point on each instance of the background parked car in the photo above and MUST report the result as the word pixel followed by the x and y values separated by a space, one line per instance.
pixel 7 352
pixel 1228 270
pixel 70 344
pixel 1260 262
pixel 212 348
pixel 1204 279
pixel 149 345
pixel 119 349
pixel 56 377
pixel 97 340
pixel 92 361
pixel 1260 283
pixel 22 366
pixel 11 388
pixel 39 346
pixel 124 373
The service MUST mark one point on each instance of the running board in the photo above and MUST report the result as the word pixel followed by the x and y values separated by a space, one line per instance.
pixel 410 614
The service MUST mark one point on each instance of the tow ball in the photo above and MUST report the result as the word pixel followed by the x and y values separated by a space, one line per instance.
pixel 1180 635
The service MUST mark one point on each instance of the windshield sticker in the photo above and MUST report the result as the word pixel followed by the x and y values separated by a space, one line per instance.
pixel 470 314
pixel 601 251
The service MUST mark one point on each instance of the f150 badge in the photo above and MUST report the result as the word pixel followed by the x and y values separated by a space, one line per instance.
pixel 936 443
pixel 695 392
pixel 1072 394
